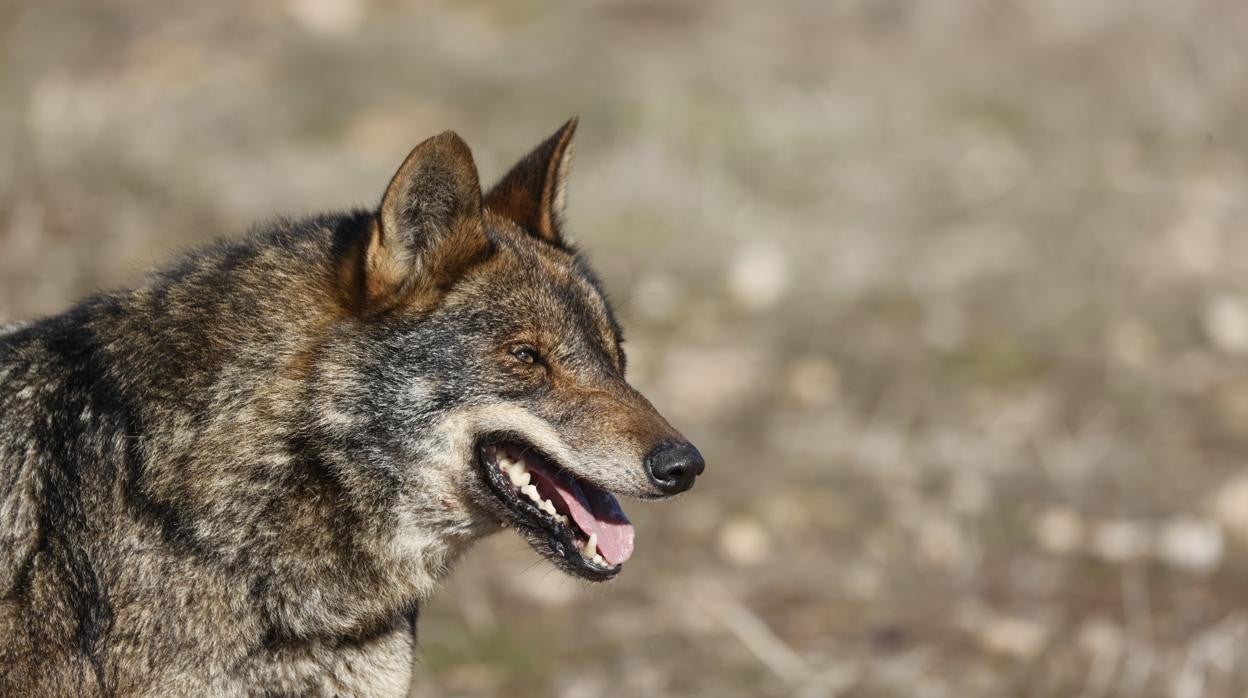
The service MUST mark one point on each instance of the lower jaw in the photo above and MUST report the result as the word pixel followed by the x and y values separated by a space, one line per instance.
pixel 579 566
pixel 557 545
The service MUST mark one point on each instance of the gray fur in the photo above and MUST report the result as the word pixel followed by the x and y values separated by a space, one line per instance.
pixel 244 475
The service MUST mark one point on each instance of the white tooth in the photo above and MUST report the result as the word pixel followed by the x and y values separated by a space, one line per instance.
pixel 531 492
pixel 504 461
pixel 562 519
pixel 519 476
pixel 591 546
pixel 549 507
pixel 599 561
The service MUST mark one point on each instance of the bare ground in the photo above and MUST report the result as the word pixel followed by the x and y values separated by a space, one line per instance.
pixel 952 295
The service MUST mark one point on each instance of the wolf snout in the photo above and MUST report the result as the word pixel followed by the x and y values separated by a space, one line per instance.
pixel 673 466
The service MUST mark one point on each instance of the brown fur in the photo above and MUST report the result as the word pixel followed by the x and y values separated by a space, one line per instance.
pixel 244 475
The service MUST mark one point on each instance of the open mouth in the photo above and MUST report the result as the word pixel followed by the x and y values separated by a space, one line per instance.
pixel 583 526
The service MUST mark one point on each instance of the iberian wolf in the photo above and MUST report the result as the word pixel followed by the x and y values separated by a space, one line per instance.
pixel 244 475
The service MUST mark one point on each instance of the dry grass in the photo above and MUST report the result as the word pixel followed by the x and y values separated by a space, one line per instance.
pixel 953 295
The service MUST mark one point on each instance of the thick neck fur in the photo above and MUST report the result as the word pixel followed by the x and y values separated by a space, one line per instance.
pixel 215 441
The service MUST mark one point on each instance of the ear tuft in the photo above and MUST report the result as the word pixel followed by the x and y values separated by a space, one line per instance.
pixel 433 202
pixel 436 185
pixel 532 193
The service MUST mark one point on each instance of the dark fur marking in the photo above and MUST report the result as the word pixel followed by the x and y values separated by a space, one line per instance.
pixel 26 570
pixel 85 386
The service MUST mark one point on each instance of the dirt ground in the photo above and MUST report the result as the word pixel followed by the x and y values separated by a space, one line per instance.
pixel 953 296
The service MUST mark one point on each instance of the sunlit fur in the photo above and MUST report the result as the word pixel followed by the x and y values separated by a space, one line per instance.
pixel 245 474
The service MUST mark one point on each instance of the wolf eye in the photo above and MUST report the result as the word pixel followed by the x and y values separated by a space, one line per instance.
pixel 526 354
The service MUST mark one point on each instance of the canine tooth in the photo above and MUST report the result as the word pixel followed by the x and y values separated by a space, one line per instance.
pixel 591 546
pixel 598 560
pixel 531 492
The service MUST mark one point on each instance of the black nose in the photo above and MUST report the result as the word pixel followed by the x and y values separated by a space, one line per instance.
pixel 673 465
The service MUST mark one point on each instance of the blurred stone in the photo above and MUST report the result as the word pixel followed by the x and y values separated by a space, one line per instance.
pixel 1011 636
pixel 813 381
pixel 744 542
pixel 1101 637
pixel 862 580
pixel 1059 531
pixel 942 543
pixel 327 17
pixel 1016 637
pixel 758 277
pixel 583 686
pixel 1120 540
pixel 1191 544
pixel 1226 324
pixel 1230 507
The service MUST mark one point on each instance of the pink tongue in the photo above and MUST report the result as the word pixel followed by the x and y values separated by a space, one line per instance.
pixel 593 510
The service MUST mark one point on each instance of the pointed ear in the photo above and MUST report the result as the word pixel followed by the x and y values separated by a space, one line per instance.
pixel 532 193
pixel 428 228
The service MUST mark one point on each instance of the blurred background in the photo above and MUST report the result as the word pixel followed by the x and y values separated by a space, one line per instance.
pixel 954 297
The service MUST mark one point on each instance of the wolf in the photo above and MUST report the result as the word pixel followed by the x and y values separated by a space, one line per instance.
pixel 244 475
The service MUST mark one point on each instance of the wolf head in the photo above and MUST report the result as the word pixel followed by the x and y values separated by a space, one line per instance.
pixel 482 374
